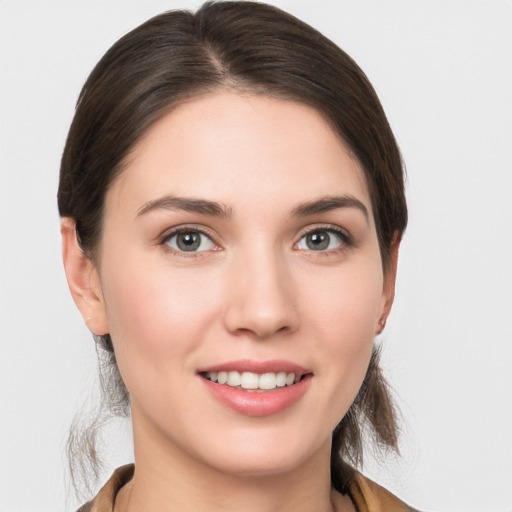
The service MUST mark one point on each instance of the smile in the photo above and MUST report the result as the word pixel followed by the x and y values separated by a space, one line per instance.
pixel 250 381
pixel 256 388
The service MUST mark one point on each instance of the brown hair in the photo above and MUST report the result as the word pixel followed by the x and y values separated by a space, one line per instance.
pixel 251 47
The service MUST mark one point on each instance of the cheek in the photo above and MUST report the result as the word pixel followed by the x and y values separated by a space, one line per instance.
pixel 344 314
pixel 339 318
pixel 348 303
pixel 156 316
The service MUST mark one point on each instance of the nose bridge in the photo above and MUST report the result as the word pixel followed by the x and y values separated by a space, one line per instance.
pixel 260 295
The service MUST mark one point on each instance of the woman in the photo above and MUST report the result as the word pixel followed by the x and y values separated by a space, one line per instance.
pixel 232 207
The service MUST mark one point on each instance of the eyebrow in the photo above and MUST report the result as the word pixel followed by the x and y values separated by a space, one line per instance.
pixel 212 208
pixel 188 204
pixel 329 203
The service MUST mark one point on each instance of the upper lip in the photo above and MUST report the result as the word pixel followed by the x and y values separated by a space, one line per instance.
pixel 260 367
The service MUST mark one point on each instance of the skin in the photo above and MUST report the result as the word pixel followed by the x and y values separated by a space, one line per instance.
pixel 257 291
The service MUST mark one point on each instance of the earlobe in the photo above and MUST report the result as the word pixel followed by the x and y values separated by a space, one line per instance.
pixel 388 291
pixel 83 280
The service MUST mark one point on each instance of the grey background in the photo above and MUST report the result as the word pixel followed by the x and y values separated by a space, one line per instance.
pixel 443 70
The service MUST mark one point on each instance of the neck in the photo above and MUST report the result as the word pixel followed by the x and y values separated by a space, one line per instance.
pixel 171 480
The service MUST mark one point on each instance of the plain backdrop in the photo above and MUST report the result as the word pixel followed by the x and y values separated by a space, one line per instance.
pixel 443 70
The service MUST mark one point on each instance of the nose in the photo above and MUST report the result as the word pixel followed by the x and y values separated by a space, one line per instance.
pixel 260 298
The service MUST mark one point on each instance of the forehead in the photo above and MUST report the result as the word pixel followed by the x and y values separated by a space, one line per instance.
pixel 234 147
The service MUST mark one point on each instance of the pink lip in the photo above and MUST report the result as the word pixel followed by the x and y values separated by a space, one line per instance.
pixel 258 403
pixel 249 365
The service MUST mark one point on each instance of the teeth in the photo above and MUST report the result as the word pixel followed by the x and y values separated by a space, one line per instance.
pixel 249 380
pixel 268 381
pixel 234 379
pixel 281 379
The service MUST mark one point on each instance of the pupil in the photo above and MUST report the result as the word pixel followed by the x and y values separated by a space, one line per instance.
pixel 188 241
pixel 318 241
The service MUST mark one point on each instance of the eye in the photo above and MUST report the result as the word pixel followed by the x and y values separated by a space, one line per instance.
pixel 322 240
pixel 190 241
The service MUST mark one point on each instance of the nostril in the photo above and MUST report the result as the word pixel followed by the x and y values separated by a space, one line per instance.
pixel 263 332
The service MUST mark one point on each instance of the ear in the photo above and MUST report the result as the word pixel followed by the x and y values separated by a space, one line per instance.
pixel 388 290
pixel 83 280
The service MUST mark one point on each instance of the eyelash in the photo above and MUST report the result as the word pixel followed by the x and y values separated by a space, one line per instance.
pixel 165 238
pixel 346 240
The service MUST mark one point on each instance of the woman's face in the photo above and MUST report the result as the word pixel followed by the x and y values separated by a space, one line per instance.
pixel 239 244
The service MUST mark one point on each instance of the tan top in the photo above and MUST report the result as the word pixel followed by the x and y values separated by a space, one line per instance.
pixel 366 495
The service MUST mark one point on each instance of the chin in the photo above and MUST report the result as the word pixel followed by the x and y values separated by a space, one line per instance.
pixel 261 468
pixel 271 456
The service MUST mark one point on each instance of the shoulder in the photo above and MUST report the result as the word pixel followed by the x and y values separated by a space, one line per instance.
pixel 369 496
pixel 105 499
pixel 86 507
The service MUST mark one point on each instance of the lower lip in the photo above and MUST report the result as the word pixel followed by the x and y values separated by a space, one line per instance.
pixel 253 403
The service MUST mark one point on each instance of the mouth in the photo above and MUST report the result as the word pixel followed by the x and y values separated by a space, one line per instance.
pixel 256 388
pixel 250 381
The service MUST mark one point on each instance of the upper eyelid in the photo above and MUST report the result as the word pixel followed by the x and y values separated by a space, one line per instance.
pixel 170 232
pixel 347 240
pixel 325 227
